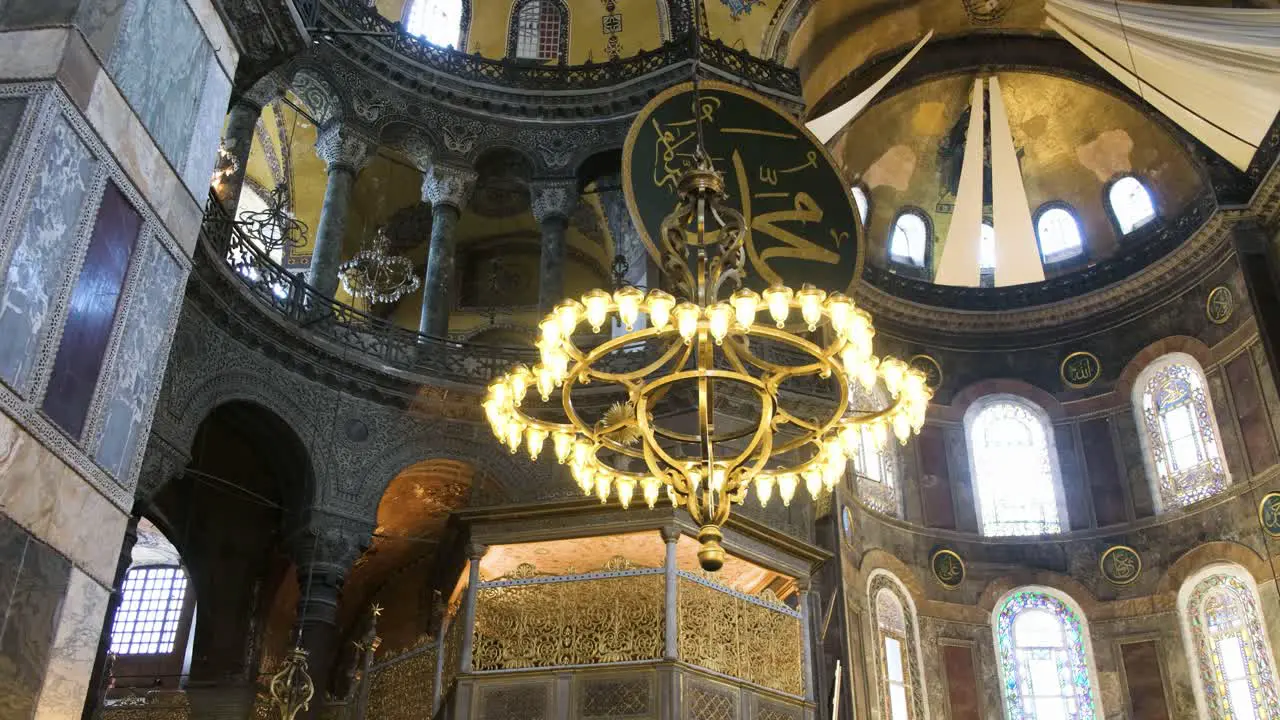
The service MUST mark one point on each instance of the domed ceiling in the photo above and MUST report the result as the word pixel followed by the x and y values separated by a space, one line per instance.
pixel 1071 140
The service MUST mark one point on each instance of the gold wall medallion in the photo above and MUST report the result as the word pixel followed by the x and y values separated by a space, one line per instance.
pixel 1120 565
pixel 1080 369
pixel 948 568
pixel 1220 305
pixel 930 367
pixel 1269 514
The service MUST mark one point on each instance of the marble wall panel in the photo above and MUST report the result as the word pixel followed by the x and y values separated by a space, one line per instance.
pixel 44 243
pixel 75 645
pixel 160 63
pixel 99 22
pixel 1104 476
pixel 962 682
pixel 1255 426
pixel 935 480
pixel 29 13
pixel 1141 662
pixel 1074 492
pixel 138 368
pixel 11 109
pixel 26 636
pixel 207 133
pixel 13 543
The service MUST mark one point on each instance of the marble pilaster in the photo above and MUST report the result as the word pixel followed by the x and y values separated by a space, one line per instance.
pixel 671 628
pixel 345 153
pixel 447 188
pixel 474 553
pixel 553 202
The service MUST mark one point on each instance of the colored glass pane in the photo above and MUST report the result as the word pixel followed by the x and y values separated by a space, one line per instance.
pixel 1040 643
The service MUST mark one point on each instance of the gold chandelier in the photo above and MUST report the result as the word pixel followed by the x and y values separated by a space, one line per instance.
pixel 717 347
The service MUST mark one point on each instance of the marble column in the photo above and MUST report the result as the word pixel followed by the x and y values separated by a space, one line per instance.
pixel 475 552
pixel 324 555
pixel 447 188
pixel 345 153
pixel 553 202
pixel 1260 264
pixel 237 139
pixel 671 628
pixel 806 637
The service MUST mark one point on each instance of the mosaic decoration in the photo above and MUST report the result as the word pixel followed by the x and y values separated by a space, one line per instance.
pixel 611 26
pixel 1029 658
pixel 1220 304
pixel 738 8
pixel 1181 436
pixel 1269 514
pixel 1234 664
pixel 1080 369
pixel 948 568
pixel 930 367
pixel 1120 565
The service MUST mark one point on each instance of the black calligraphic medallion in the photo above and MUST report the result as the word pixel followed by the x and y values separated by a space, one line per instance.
pixel 800 218
pixel 1269 514
pixel 1080 369
pixel 948 568
pixel 1120 565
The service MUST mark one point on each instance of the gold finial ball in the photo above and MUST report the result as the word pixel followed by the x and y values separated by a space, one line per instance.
pixel 711 556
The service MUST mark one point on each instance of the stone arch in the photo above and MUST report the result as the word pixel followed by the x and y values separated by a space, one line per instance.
pixel 419 144
pixel 495 153
pixel 242 385
pixel 996 589
pixel 969 394
pixel 878 560
pixel 317 92
pixel 1213 553
pixel 1172 344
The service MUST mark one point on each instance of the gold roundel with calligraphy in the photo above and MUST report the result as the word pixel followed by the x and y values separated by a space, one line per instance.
pixel 1120 565
pixel 1219 305
pixel 931 369
pixel 1080 369
pixel 1269 514
pixel 800 218
pixel 948 568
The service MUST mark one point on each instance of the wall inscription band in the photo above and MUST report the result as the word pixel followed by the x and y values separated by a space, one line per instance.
pixel 948 568
pixel 1120 565
pixel 1080 369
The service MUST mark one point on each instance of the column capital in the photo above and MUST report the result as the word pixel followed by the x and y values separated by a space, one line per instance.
pixel 341 147
pixel 267 88
pixel 553 198
pixel 448 185
pixel 475 551
pixel 670 533
pixel 803 585
pixel 329 550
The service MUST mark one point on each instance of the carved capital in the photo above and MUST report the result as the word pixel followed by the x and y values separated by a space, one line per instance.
pixel 342 148
pixel 475 551
pixel 448 185
pixel 327 552
pixel 670 533
pixel 553 198
pixel 267 88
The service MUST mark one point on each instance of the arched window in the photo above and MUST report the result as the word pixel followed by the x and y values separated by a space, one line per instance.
pixel 897 649
pixel 1180 435
pixel 539 30
pixel 1015 469
pixel 863 203
pixel 875 466
pixel 987 247
pixel 1045 664
pixel 439 22
pixel 1233 664
pixel 908 239
pixel 1130 204
pixel 1059 235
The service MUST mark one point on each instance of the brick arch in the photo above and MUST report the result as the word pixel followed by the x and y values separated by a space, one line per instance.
pixel 973 392
pixel 1174 343
pixel 1218 551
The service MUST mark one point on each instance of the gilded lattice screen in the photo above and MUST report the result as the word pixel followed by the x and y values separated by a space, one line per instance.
pixel 755 639
pixel 402 688
pixel 569 620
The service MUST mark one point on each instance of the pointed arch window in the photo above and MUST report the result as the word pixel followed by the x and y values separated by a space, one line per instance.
pixel 1045 665
pixel 898 654
pixel 1233 664
pixel 1180 435
pixel 439 22
pixel 1015 469
pixel 539 30
pixel 1059 235
pixel 1131 204
pixel 909 238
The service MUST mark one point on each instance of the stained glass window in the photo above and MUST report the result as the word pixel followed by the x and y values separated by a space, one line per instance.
pixel 1059 235
pixel 439 22
pixel 1044 666
pixel 898 660
pixel 1236 670
pixel 907 243
pixel 539 24
pixel 876 471
pixel 1184 456
pixel 1131 204
pixel 147 621
pixel 1014 475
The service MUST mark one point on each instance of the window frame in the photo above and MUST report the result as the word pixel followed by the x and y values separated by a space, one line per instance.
pixel 1162 500
pixel 1140 230
pixel 904 267
pixel 513 32
pixel 182 621
pixel 1086 647
pixel 464 25
pixel 1055 471
pixel 881 580
pixel 1069 261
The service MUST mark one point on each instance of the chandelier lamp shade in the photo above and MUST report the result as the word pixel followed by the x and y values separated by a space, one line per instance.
pixel 703 404
pixel 375 275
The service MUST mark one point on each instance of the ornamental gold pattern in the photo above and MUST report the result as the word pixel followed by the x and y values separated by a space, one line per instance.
pixel 569 622
pixel 403 689
pixel 452 653
pixel 728 634
pixel 157 706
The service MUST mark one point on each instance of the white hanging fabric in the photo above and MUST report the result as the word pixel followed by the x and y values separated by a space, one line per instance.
pixel 826 127
pixel 959 262
pixel 1214 71
pixel 1017 252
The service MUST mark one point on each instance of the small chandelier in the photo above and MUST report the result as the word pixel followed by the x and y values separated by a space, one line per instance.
pixel 274 228
pixel 292 687
pixel 376 275
pixel 716 341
